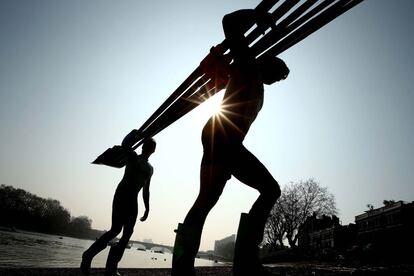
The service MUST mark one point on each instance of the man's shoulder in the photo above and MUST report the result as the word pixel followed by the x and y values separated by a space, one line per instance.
pixel 144 161
pixel 132 157
pixel 132 154
pixel 245 68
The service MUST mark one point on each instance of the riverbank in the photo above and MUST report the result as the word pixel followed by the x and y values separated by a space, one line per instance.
pixel 286 269
pixel 91 235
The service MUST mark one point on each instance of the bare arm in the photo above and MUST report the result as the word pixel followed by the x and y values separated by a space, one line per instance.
pixel 145 197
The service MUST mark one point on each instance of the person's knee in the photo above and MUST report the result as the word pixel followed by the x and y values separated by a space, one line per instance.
pixel 207 200
pixel 271 190
pixel 202 206
pixel 277 191
pixel 201 209
pixel 211 199
pixel 128 232
pixel 126 235
pixel 115 230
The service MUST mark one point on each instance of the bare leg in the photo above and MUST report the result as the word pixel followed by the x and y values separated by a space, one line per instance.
pixel 116 252
pixel 249 170
pixel 212 182
pixel 187 242
pixel 101 243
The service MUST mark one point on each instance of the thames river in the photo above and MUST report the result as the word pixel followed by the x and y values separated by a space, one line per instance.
pixel 27 249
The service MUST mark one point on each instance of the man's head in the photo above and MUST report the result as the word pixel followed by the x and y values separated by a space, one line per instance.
pixel 272 69
pixel 149 146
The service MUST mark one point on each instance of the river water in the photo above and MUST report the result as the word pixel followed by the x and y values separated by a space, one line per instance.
pixel 28 249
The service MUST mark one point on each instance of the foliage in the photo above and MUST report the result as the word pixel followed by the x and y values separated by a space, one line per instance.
pixel 297 202
pixel 81 223
pixel 389 202
pixel 27 211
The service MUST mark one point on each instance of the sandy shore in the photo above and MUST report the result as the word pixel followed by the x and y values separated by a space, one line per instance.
pixel 293 269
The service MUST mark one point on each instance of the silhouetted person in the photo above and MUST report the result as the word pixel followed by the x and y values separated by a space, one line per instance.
pixel 225 155
pixel 138 172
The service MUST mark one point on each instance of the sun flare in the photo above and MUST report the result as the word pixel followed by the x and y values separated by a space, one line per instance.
pixel 209 108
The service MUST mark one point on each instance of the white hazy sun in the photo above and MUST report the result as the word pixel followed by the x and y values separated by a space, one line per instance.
pixel 208 108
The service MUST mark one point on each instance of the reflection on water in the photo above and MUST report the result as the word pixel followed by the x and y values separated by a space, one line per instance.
pixel 27 249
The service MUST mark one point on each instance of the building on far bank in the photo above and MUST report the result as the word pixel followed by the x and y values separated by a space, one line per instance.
pixel 388 230
pixel 322 235
pixel 384 234
pixel 225 247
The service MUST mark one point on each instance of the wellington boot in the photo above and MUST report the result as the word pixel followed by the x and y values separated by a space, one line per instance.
pixel 187 242
pixel 85 265
pixel 90 253
pixel 114 256
pixel 246 252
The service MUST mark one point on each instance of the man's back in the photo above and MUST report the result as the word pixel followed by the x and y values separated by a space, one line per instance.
pixel 137 172
pixel 241 103
pixel 243 98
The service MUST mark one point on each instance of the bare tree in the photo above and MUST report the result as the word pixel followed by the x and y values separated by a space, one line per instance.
pixel 298 201
pixel 275 231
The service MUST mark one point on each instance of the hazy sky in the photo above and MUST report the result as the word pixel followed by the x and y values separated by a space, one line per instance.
pixel 77 76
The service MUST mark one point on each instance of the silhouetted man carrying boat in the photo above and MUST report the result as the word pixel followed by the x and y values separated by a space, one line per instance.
pixel 138 172
pixel 225 155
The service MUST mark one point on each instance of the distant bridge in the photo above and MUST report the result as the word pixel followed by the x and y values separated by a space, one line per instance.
pixel 152 246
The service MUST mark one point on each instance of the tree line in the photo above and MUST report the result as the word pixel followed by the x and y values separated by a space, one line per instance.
pixel 23 210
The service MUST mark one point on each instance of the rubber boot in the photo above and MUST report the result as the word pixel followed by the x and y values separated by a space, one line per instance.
pixel 90 253
pixel 246 251
pixel 85 265
pixel 187 242
pixel 111 268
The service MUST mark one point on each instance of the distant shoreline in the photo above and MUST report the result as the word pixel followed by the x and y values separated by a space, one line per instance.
pixel 71 235
pixel 17 230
